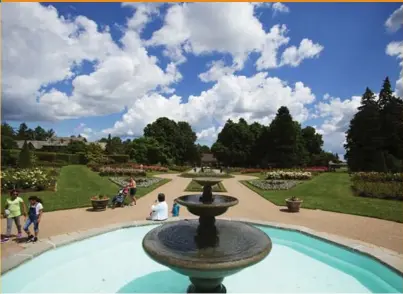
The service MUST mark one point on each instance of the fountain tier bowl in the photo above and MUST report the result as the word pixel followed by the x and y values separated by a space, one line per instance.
pixel 239 246
pixel 218 206
pixel 207 181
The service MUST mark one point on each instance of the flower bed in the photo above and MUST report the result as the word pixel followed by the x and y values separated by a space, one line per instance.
pixel 288 175
pixel 150 168
pixel 205 175
pixel 273 185
pixel 378 185
pixel 253 170
pixel 121 171
pixel 37 179
pixel 317 169
pixel 377 177
pixel 140 182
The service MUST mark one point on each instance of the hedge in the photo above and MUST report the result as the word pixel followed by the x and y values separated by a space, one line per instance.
pixel 10 156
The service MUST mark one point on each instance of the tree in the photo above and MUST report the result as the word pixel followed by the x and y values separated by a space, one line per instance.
pixel 76 146
pixel 234 144
pixel 7 137
pixel 391 120
pixel 286 148
pixel 40 134
pixel 313 143
pixel 114 145
pixel 363 141
pixel 147 150
pixel 24 160
pixel 22 133
pixel 176 139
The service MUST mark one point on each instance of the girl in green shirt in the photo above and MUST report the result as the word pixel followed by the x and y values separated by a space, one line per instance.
pixel 13 214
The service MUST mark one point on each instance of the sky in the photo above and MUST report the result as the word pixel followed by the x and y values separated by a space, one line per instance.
pixel 109 68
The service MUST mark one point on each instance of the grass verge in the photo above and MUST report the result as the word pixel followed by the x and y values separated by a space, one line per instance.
pixel 332 192
pixel 75 186
pixel 195 187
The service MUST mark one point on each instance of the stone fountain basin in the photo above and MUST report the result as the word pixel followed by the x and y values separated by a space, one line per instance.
pixel 207 181
pixel 219 206
pixel 240 245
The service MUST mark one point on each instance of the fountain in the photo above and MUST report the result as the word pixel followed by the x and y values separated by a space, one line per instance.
pixel 207 250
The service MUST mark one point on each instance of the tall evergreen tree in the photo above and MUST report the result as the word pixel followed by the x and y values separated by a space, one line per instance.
pixel 391 114
pixel 286 146
pixel 364 141
pixel 24 160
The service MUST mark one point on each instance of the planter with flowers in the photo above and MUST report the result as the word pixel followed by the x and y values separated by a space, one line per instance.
pixel 99 202
pixel 293 204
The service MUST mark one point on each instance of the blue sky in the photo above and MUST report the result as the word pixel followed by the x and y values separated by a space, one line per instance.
pixel 344 52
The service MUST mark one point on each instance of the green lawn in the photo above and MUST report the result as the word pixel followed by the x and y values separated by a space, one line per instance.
pixel 195 187
pixel 332 192
pixel 75 186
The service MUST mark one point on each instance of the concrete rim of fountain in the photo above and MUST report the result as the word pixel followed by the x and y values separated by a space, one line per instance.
pixel 392 259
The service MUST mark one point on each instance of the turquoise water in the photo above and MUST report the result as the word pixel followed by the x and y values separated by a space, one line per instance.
pixel 115 263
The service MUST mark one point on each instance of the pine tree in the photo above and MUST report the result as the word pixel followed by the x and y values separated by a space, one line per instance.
pixel 391 115
pixel 286 148
pixel 364 142
pixel 24 160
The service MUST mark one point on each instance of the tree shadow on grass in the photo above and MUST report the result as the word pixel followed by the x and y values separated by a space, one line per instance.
pixel 158 282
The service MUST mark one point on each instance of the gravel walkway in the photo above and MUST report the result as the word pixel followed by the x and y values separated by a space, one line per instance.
pixel 251 205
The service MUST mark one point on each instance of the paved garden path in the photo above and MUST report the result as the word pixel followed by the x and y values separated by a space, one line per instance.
pixel 251 205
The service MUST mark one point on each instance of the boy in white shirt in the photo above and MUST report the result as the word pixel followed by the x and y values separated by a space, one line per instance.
pixel 159 211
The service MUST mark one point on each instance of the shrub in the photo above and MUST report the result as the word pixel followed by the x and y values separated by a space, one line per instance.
pixel 317 169
pixel 140 182
pixel 36 178
pixel 273 185
pixel 385 190
pixel 119 158
pixel 205 175
pixel 288 175
pixel 377 177
pixel 24 159
pixel 179 168
pixel 46 156
pixel 252 170
pixel 112 171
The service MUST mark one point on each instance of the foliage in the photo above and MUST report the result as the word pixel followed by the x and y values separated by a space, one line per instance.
pixel 375 135
pixel 378 185
pixel 332 192
pixel 121 171
pixel 100 197
pixel 179 168
pixel 377 177
pixel 177 140
pixel 195 187
pixel 205 175
pixel 273 185
pixel 288 175
pixel 119 158
pixel 385 190
pixel 76 146
pixel 147 150
pixel 253 170
pixel 24 159
pixel 140 182
pixel 35 179
pixel 316 169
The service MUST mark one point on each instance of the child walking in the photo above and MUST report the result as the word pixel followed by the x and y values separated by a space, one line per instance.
pixel 13 214
pixel 34 217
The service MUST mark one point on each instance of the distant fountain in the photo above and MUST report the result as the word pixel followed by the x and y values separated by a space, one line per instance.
pixel 207 250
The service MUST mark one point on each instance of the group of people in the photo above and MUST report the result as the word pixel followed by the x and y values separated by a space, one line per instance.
pixel 15 209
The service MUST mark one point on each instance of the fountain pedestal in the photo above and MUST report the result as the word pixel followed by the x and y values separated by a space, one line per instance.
pixel 207 250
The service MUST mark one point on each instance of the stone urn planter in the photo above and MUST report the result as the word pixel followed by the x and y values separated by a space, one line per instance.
pixel 99 202
pixel 293 204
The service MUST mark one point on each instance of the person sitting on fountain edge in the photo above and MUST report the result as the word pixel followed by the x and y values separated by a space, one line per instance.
pixel 159 211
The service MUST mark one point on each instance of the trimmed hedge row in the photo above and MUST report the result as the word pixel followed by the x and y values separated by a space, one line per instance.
pixel 10 156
